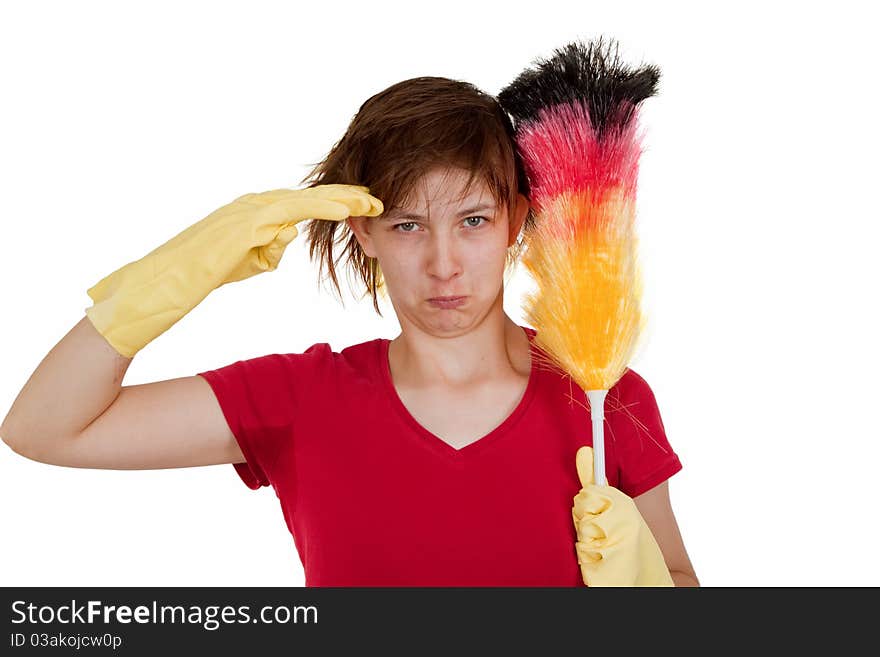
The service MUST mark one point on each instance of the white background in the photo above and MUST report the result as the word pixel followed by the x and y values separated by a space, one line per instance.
pixel 122 124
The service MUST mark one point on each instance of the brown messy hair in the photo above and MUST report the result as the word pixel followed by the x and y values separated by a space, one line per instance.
pixel 395 138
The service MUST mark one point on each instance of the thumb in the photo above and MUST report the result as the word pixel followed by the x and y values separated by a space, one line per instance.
pixel 584 462
pixel 270 254
pixel 286 235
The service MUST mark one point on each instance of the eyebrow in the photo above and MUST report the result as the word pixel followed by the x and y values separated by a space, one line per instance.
pixel 402 214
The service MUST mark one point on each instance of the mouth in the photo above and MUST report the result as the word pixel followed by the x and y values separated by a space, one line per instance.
pixel 447 302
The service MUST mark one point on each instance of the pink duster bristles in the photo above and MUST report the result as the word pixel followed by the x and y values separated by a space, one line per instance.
pixel 575 128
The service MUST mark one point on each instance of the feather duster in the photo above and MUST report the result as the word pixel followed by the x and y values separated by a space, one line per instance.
pixel 575 117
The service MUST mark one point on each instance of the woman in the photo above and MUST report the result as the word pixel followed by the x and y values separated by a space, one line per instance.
pixel 442 457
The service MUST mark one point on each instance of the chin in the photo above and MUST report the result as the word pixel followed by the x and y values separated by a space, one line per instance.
pixel 453 322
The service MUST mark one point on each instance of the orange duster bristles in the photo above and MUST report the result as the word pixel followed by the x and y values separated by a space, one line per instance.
pixel 575 118
pixel 586 307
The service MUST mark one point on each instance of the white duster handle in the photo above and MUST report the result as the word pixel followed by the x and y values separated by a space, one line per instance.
pixel 597 413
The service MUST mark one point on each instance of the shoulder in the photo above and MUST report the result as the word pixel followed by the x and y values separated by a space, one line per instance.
pixel 279 377
pixel 362 350
pixel 270 369
pixel 632 384
pixel 318 354
pixel 322 362
pixel 632 398
pixel 282 361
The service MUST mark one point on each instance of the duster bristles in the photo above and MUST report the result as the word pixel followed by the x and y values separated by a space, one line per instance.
pixel 586 308
pixel 575 128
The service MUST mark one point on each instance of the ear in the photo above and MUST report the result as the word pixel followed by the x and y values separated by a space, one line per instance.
pixel 361 227
pixel 516 218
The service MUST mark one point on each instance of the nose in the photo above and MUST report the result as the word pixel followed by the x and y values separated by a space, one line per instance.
pixel 443 258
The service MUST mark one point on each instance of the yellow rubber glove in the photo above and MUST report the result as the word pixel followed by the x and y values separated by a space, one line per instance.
pixel 140 301
pixel 614 545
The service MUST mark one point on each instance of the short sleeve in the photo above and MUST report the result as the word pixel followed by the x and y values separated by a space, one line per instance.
pixel 259 398
pixel 645 457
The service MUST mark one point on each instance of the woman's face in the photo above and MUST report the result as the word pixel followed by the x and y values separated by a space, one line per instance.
pixel 443 243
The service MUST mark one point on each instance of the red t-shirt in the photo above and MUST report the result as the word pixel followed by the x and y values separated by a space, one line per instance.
pixel 372 498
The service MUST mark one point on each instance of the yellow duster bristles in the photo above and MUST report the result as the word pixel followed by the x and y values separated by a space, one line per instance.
pixel 582 256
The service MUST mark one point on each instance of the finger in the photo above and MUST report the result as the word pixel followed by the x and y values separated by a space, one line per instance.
pixel 376 207
pixel 362 205
pixel 588 530
pixel 357 197
pixel 587 554
pixel 299 209
pixel 326 192
pixel 584 463
pixel 285 236
pixel 591 501
pixel 269 255
pixel 335 188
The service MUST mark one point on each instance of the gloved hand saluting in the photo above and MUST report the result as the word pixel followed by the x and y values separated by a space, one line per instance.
pixel 614 545
pixel 140 301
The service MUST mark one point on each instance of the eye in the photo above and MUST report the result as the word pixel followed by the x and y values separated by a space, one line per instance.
pixel 406 223
pixel 476 225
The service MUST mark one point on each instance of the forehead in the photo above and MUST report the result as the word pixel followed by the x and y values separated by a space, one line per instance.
pixel 446 186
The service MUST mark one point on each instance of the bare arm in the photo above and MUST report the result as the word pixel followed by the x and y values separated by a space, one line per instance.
pixel 656 509
pixel 73 411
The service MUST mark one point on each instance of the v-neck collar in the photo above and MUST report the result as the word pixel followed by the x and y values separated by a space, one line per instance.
pixel 434 442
